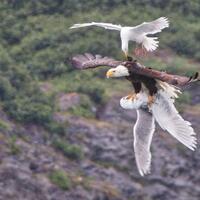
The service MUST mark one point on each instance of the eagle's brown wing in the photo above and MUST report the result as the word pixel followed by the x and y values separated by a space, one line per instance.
pixel 176 80
pixel 88 60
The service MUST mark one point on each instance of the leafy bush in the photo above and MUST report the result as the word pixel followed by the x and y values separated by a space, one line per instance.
pixel 6 89
pixel 84 109
pixel 60 179
pixel 35 109
pixel 71 151
pixel 55 128
pixel 4 125
pixel 14 148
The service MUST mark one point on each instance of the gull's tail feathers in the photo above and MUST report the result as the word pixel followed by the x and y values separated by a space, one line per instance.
pixel 170 120
pixel 150 43
pixel 100 24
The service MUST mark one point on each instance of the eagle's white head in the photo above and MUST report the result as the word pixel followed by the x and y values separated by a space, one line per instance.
pixel 118 71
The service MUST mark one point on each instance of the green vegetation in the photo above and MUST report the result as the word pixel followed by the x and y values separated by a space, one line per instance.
pixel 84 108
pixel 60 179
pixel 73 152
pixel 55 128
pixel 36 47
pixel 4 125
pixel 13 146
pixel 184 98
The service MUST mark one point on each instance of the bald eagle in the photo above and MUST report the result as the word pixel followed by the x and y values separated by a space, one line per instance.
pixel 137 33
pixel 137 74
pixel 147 81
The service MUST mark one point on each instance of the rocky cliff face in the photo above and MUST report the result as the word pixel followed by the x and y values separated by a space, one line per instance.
pixel 107 170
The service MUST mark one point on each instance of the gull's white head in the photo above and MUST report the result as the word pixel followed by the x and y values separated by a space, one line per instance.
pixel 118 71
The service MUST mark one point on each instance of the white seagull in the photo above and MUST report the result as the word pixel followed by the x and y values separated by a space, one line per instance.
pixel 137 34
pixel 165 114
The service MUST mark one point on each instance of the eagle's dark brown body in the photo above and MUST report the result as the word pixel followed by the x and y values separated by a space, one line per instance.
pixel 137 80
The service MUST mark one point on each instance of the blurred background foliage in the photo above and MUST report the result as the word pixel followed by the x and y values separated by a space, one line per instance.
pixel 36 47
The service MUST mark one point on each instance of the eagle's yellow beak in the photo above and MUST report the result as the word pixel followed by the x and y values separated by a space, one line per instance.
pixel 109 73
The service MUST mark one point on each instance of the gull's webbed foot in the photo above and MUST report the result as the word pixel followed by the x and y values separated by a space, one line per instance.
pixel 140 52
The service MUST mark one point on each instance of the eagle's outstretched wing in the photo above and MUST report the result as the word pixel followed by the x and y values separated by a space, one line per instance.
pixel 172 79
pixel 88 60
pixel 143 133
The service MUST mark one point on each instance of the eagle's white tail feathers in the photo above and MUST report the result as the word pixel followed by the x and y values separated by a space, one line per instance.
pixel 150 43
pixel 169 119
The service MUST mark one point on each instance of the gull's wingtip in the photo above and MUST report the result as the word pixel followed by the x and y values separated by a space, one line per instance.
pixel 144 172
pixel 71 27
pixel 165 21
pixel 193 147
pixel 74 26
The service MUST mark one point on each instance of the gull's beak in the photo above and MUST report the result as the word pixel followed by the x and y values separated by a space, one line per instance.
pixel 109 73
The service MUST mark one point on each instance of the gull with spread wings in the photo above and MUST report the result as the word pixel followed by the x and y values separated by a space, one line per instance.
pixel 162 109
pixel 165 114
pixel 138 34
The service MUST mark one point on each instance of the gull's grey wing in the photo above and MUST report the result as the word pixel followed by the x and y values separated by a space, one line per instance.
pixel 169 119
pixel 88 60
pixel 152 27
pixel 143 133
pixel 100 24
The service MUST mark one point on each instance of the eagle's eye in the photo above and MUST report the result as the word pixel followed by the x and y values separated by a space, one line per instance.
pixel 114 70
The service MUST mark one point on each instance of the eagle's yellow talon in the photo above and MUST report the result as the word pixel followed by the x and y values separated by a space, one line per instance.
pixel 132 97
pixel 151 100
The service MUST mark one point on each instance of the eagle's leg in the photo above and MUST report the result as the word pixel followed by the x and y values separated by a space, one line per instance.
pixel 151 100
pixel 150 84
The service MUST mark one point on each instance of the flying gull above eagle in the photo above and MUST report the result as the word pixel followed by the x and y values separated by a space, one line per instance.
pixel 138 34
pixel 147 83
